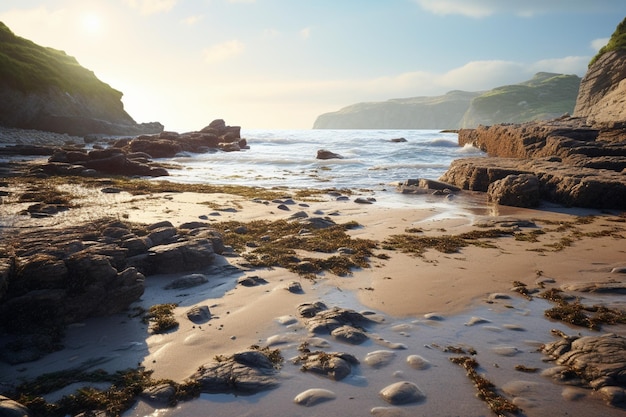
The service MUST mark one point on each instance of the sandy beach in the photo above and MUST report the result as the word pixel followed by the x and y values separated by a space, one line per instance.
pixel 421 303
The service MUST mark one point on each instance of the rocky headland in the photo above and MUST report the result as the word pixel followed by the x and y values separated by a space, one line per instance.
pixel 46 89
pixel 575 161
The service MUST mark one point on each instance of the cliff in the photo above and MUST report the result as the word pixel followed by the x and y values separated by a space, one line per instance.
pixel 575 161
pixel 410 113
pixel 545 96
pixel 602 96
pixel 45 89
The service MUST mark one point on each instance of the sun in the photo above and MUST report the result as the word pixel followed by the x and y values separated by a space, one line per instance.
pixel 91 23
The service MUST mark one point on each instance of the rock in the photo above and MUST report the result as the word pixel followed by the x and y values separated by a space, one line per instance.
pixel 349 334
pixel 326 154
pixel 600 362
pixel 162 394
pixel 82 271
pixel 294 287
pixel 314 396
pixel 332 365
pixel 417 362
pixel 558 182
pixel 251 281
pixel 402 392
pixel 379 358
pixel 199 314
pixel 389 412
pixel 187 281
pixel 515 190
pixel 11 408
pixel 324 321
pixel 243 373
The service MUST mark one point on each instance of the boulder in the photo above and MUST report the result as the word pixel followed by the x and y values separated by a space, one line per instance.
pixel 243 373
pixel 331 365
pixel 515 190
pixel 326 154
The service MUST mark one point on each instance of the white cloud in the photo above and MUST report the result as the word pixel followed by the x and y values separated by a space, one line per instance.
pixel 596 44
pixel 152 6
pixel 568 65
pixel 526 8
pixel 223 51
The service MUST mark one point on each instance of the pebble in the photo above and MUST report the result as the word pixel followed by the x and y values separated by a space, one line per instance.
pixel 388 412
pixel 434 317
pixel 476 320
pixel 379 358
pixel 506 350
pixel 314 396
pixel 402 392
pixel 286 320
pixel 417 362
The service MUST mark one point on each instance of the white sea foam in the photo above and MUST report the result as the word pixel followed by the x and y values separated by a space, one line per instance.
pixel 288 158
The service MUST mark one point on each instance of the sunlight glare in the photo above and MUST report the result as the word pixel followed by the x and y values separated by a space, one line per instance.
pixel 91 23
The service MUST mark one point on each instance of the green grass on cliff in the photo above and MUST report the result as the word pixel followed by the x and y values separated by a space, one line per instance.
pixel 28 67
pixel 544 96
pixel 617 41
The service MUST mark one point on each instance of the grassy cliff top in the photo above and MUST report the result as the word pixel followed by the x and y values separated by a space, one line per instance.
pixel 617 41
pixel 29 67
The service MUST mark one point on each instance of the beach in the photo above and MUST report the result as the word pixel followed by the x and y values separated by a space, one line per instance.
pixel 422 303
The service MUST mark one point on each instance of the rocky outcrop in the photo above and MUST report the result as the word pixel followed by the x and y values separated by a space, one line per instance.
pixel 575 164
pixel 45 89
pixel 598 362
pixel 129 156
pixel 57 277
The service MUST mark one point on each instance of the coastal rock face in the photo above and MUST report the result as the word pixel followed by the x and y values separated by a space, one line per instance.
pixel 602 95
pixel 54 93
pixel 576 164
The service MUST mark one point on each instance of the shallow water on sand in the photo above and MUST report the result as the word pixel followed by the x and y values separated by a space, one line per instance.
pixel 504 333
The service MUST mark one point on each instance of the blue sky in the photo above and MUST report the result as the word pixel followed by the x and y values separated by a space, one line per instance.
pixel 278 64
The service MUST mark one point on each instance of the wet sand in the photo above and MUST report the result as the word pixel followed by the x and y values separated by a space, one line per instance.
pixel 424 304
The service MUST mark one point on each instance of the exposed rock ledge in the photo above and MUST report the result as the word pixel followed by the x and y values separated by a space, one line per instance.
pixel 575 164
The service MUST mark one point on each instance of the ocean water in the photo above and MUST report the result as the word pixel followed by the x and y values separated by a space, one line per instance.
pixel 287 158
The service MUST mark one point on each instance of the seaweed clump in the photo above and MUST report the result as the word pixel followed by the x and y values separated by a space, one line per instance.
pixel 269 244
pixel 417 245
pixel 486 389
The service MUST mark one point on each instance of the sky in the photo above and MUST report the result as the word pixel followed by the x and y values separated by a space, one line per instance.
pixel 278 64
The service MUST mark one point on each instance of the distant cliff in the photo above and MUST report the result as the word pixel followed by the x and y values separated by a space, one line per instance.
pixel 602 96
pixel 409 113
pixel 45 89
pixel 545 96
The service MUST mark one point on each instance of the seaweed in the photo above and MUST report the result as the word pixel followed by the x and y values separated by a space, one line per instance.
pixel 486 389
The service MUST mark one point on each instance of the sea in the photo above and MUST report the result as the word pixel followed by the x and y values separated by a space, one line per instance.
pixel 371 159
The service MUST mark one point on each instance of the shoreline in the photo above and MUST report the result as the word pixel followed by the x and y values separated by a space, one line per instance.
pixel 402 288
